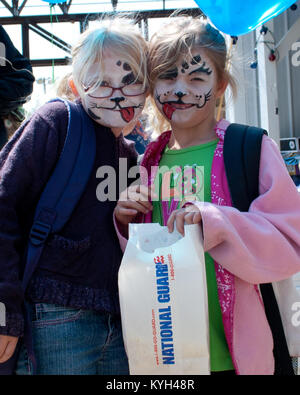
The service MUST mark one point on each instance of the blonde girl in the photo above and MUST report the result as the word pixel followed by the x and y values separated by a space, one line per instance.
pixel 72 299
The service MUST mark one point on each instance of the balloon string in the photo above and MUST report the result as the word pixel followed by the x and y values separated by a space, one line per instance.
pixel 227 68
pixel 51 22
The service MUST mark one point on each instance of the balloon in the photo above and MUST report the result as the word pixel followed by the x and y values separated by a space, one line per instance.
pixel 55 1
pixel 236 17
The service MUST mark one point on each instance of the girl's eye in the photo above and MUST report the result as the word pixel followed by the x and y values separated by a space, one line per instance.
pixel 197 79
pixel 104 83
pixel 166 77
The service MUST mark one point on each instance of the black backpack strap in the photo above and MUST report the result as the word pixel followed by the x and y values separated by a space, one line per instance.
pixel 242 147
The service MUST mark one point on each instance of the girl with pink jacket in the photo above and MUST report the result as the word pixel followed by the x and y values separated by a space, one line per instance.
pixel 187 67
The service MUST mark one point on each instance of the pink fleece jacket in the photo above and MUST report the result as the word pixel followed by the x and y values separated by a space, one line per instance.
pixel 249 248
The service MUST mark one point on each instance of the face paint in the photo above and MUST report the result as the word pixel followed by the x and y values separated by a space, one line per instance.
pixel 119 99
pixel 168 108
pixel 128 79
pixel 185 91
pixel 92 115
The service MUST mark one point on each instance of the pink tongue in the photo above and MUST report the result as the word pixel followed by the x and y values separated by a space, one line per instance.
pixel 127 113
pixel 168 110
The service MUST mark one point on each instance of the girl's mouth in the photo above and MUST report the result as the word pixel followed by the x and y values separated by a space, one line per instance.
pixel 127 113
pixel 181 106
pixel 170 107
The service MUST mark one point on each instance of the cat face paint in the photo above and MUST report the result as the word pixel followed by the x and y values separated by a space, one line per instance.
pixel 120 99
pixel 187 91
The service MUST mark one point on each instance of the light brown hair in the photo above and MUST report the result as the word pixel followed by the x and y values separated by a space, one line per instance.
pixel 177 38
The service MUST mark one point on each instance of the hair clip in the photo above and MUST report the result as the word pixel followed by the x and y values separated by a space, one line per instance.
pixel 217 36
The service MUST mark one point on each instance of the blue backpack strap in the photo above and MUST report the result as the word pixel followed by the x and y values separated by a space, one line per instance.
pixel 65 185
pixel 56 204
pixel 242 148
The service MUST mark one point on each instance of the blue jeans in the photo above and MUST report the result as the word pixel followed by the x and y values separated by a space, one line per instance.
pixel 69 341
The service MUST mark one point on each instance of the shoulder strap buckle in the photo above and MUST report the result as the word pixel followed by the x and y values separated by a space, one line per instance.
pixel 39 232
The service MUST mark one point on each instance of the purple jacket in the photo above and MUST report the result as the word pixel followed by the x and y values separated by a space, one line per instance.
pixel 79 266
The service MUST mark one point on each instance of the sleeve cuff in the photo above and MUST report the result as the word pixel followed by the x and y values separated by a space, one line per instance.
pixel 13 325
pixel 121 233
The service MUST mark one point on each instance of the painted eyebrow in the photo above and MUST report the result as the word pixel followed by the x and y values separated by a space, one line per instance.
pixel 170 74
pixel 202 69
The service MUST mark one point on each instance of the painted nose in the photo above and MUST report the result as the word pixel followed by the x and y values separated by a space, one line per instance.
pixel 180 94
pixel 117 100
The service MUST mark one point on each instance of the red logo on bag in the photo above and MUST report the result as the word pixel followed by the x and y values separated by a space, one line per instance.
pixel 159 260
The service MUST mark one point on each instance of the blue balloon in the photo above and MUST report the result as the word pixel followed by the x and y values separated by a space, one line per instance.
pixel 237 17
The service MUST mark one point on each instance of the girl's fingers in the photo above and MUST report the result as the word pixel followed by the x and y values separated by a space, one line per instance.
pixel 139 193
pixel 184 216
pixel 193 218
pixel 180 221
pixel 178 216
pixel 170 223
pixel 147 192
pixel 7 345
pixel 189 218
pixel 8 351
pixel 3 345
pixel 138 197
pixel 132 204
pixel 127 211
pixel 197 218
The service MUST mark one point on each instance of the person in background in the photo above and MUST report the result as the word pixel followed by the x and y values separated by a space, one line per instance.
pixel 64 90
pixel 138 135
pixel 16 85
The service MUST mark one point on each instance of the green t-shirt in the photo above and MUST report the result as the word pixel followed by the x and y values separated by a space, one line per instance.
pixel 190 176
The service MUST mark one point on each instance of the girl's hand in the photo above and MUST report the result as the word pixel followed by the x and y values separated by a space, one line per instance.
pixel 132 201
pixel 188 215
pixel 7 347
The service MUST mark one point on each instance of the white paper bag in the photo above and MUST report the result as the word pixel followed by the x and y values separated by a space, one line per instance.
pixel 163 298
pixel 288 300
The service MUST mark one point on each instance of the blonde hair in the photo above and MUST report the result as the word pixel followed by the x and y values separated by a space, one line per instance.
pixel 177 38
pixel 63 89
pixel 117 34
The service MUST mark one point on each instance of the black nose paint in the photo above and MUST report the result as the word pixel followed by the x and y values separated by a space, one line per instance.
pixel 179 94
pixel 117 100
